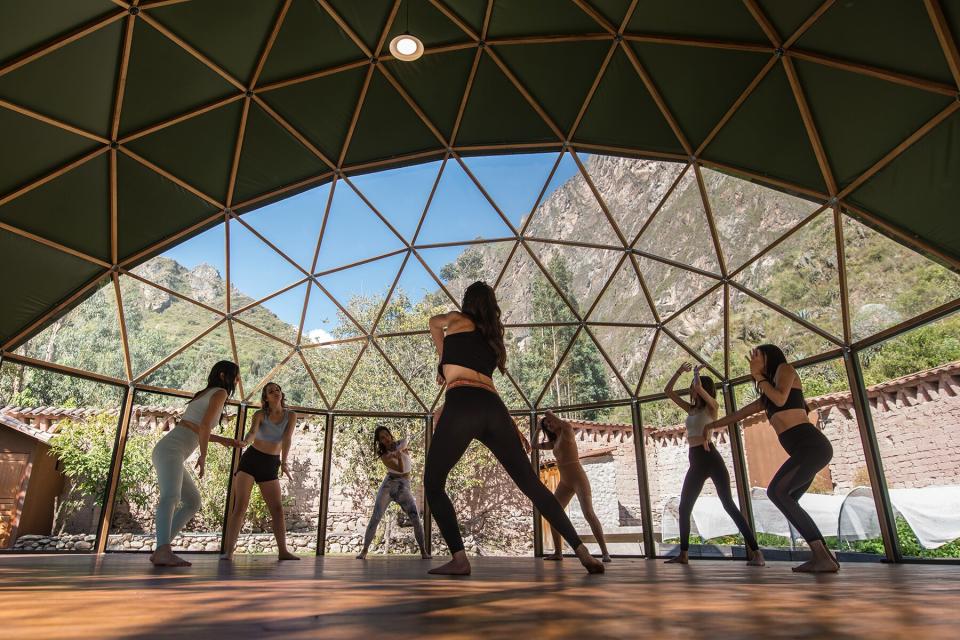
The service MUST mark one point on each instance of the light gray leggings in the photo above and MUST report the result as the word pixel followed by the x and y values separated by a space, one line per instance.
pixel 394 489
pixel 179 497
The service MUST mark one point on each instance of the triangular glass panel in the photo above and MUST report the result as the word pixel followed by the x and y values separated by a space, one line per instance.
pixel 569 210
pixel 767 135
pixel 331 364
pixel 309 40
pixel 400 195
pixel 801 275
pixel 682 216
pixel 188 370
pixel 624 300
pixel 271 158
pixel 85 70
pixel 672 287
pixel 436 83
pixel 210 137
pixel 229 32
pixel 69 209
pixel 505 387
pixel 87 337
pixel 353 232
pixel 164 80
pixel 415 356
pixel 157 322
pixel 496 111
pixel 297 385
pixel 888 282
pixel 257 356
pixel 632 188
pixel 459 212
pixel 753 323
pixel 527 296
pixel 413 301
pixel 362 290
pixel 151 207
pixel 628 347
pixel 667 356
pixel 623 114
pixel 279 316
pixel 533 353
pixel 750 216
pixel 194 268
pixel 293 224
pixel 584 377
pixel 324 321
pixel 580 272
pixel 854 132
pixel 557 75
pixel 700 327
pixel 375 387
pixel 387 125
pixel 459 266
pixel 256 269
pixel 514 182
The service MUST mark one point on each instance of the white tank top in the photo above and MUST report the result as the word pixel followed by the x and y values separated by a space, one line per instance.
pixel 696 421
pixel 197 408
pixel 405 463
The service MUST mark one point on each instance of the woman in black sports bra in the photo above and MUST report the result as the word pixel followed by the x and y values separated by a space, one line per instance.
pixel 470 345
pixel 781 397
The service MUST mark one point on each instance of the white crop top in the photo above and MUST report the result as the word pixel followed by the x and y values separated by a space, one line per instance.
pixel 404 458
pixel 197 408
pixel 696 421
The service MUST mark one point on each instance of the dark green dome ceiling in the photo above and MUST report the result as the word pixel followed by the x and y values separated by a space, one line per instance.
pixel 128 128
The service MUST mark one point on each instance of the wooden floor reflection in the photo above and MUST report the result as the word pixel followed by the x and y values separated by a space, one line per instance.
pixel 121 596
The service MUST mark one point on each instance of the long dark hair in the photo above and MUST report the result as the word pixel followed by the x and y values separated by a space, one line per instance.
pixel 223 375
pixel 710 387
pixel 480 305
pixel 551 435
pixel 377 445
pixel 266 403
pixel 775 358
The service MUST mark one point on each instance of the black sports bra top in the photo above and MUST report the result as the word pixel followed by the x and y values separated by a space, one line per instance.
pixel 795 400
pixel 468 349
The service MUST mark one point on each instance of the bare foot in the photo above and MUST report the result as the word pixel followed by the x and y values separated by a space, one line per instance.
pixel 226 557
pixel 817 565
pixel 756 559
pixel 286 555
pixel 167 558
pixel 680 559
pixel 554 556
pixel 591 564
pixel 425 556
pixel 458 566
pixel 606 558
pixel 362 555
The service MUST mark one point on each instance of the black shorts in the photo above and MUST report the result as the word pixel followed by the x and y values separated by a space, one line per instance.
pixel 262 466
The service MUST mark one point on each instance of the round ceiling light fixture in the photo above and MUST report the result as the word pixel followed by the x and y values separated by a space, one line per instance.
pixel 406 47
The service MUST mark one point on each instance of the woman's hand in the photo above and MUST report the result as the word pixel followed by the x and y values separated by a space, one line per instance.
pixel 285 470
pixel 201 464
pixel 440 380
pixel 756 363
pixel 237 443
pixel 686 366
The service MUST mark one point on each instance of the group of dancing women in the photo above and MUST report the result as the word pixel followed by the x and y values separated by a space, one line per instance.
pixel 470 346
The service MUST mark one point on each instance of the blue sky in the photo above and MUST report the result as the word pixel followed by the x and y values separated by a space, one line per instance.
pixel 458 213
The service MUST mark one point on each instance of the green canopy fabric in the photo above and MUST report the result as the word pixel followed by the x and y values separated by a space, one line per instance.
pixel 128 126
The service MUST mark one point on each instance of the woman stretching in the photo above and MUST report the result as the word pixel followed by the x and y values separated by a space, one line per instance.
pixel 271 434
pixel 179 497
pixel 394 488
pixel 470 345
pixel 705 462
pixel 573 479
pixel 781 397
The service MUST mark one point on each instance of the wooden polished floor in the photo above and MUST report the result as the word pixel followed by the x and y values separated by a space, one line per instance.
pixel 122 596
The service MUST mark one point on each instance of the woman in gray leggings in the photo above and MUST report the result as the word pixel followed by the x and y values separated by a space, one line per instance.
pixel 179 498
pixel 394 488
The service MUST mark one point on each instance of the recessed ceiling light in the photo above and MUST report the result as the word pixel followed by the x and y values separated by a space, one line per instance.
pixel 406 47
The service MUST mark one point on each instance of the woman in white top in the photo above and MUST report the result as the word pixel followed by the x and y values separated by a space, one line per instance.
pixel 705 462
pixel 394 488
pixel 179 498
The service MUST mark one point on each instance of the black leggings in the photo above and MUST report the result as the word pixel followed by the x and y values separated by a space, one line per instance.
pixel 809 452
pixel 709 464
pixel 471 414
